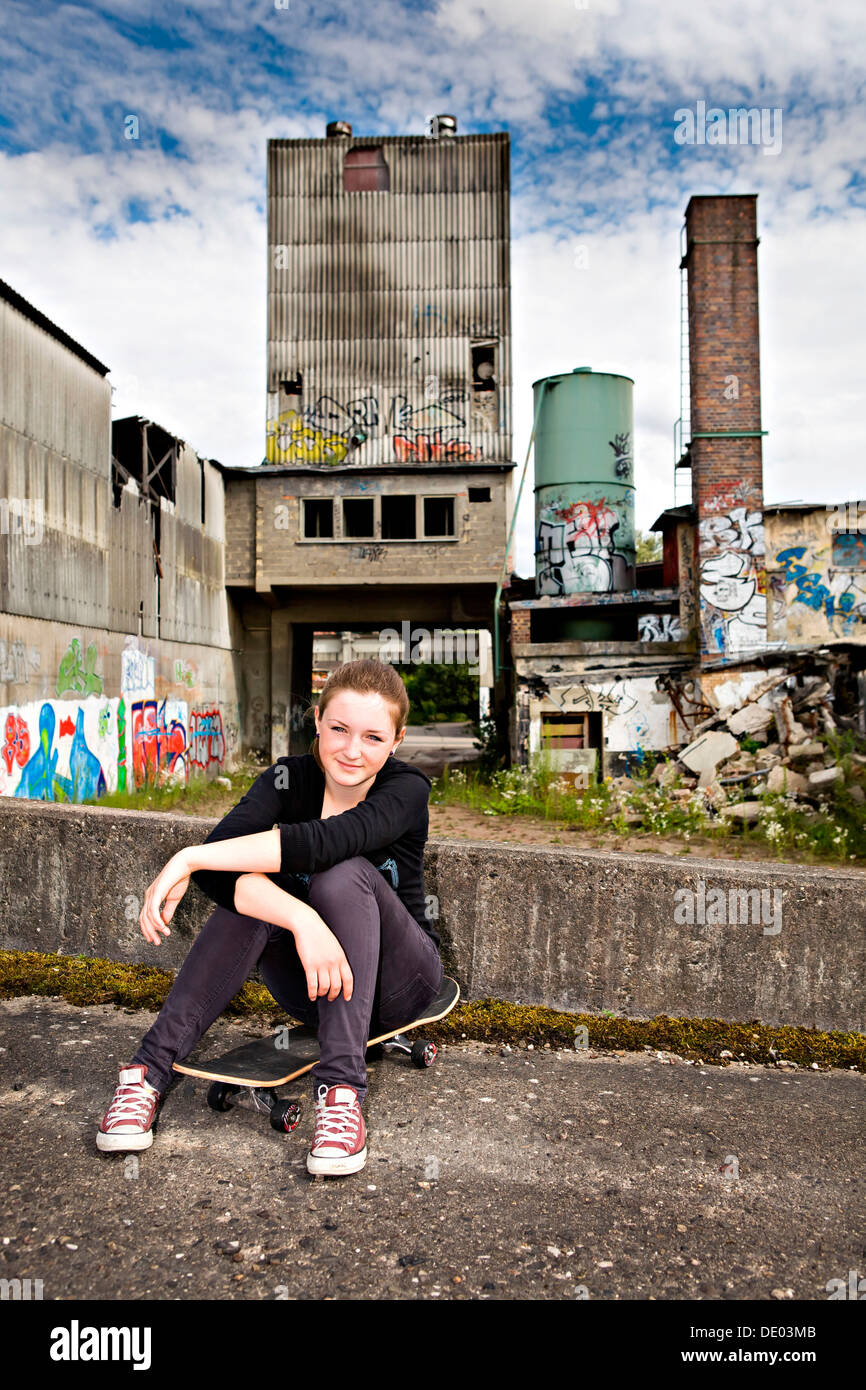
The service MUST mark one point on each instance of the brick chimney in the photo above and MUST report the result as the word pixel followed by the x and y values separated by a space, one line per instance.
pixel 725 396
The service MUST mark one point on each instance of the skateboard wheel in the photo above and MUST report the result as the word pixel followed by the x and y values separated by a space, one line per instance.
pixel 217 1096
pixel 375 1052
pixel 424 1053
pixel 285 1116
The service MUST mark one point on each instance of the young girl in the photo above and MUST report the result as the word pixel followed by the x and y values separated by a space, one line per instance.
pixel 318 878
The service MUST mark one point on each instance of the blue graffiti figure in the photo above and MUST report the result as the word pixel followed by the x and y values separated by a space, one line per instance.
pixel 38 775
pixel 88 779
pixel 40 780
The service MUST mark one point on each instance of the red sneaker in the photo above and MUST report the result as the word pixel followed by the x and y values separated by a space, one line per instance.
pixel 127 1122
pixel 340 1141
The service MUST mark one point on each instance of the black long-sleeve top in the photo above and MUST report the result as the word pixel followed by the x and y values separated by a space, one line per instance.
pixel 389 827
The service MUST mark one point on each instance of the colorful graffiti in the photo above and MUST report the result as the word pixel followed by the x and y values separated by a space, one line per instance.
pixel 16 746
pixel 733 584
pixel 578 551
pixel 158 739
pixel 328 431
pixel 184 674
pixel 839 596
pixel 78 675
pixel 206 742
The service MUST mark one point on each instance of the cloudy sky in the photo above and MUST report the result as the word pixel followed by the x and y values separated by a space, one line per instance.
pixel 152 252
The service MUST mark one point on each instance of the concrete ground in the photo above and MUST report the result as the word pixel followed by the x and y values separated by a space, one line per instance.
pixel 524 1175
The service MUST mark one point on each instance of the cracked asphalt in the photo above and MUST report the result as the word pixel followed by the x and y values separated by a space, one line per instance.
pixel 542 1175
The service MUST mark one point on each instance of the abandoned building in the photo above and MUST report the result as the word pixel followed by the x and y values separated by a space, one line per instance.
pixel 749 604
pixel 158 609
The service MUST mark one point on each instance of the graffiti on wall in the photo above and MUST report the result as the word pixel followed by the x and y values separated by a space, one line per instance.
pixel 158 740
pixel 327 431
pixel 206 742
pixel 659 627
pixel 136 669
pixel 578 549
pixel 77 674
pixel 75 749
pixel 840 595
pixel 733 584
pixel 16 662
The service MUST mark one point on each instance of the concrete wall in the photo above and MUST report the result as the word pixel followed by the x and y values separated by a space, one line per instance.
pixel 84 711
pixel 265 542
pixel 816 564
pixel 572 930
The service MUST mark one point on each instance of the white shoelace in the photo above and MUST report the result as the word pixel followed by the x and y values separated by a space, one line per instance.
pixel 130 1104
pixel 340 1126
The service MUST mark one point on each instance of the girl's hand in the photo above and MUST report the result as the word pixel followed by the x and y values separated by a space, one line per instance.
pixel 170 885
pixel 323 958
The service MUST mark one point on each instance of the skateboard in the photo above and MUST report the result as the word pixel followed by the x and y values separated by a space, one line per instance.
pixel 265 1063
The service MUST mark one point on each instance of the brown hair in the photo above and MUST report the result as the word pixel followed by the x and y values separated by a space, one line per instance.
pixel 367 677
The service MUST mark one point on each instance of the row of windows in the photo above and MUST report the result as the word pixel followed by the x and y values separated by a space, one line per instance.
pixel 395 517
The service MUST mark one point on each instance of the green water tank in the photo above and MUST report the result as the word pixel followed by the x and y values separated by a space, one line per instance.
pixel 584 498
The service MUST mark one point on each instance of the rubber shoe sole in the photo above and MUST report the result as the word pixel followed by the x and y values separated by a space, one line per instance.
pixel 114 1142
pixel 329 1165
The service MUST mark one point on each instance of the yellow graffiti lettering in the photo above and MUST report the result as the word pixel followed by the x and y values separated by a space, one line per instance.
pixel 289 440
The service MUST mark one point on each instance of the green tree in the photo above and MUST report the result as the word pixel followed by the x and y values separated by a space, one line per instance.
pixel 648 546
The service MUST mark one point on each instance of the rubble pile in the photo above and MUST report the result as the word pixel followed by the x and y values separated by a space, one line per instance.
pixel 722 772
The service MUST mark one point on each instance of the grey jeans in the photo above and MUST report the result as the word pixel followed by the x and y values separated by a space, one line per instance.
pixel 396 968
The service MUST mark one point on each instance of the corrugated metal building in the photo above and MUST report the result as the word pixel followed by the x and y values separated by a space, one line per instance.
pixel 389 300
pixel 385 493
pixel 116 636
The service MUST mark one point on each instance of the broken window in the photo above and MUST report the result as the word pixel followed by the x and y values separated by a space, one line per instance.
pixel 484 366
pixel 365 170
pixel 358 517
pixel 398 518
pixel 318 518
pixel 438 516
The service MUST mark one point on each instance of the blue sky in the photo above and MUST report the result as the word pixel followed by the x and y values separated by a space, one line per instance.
pixel 152 252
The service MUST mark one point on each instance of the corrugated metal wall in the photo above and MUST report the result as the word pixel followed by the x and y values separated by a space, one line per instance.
pixel 51 397
pixel 77 558
pixel 376 297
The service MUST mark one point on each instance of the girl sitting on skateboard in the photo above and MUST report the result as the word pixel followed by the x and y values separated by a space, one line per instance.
pixel 318 878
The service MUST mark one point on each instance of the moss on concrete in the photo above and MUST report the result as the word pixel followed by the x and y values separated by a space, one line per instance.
pixel 86 980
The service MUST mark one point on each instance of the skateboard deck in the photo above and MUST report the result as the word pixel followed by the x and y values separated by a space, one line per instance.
pixel 264 1063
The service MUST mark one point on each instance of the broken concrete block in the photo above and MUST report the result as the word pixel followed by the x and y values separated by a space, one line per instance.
pixel 804 752
pixel 783 779
pixel 664 774
pixel 747 811
pixel 826 777
pixel 788 727
pixel 749 720
pixel 715 795
pixel 704 755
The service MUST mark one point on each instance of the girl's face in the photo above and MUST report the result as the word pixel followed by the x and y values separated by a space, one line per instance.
pixel 356 734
